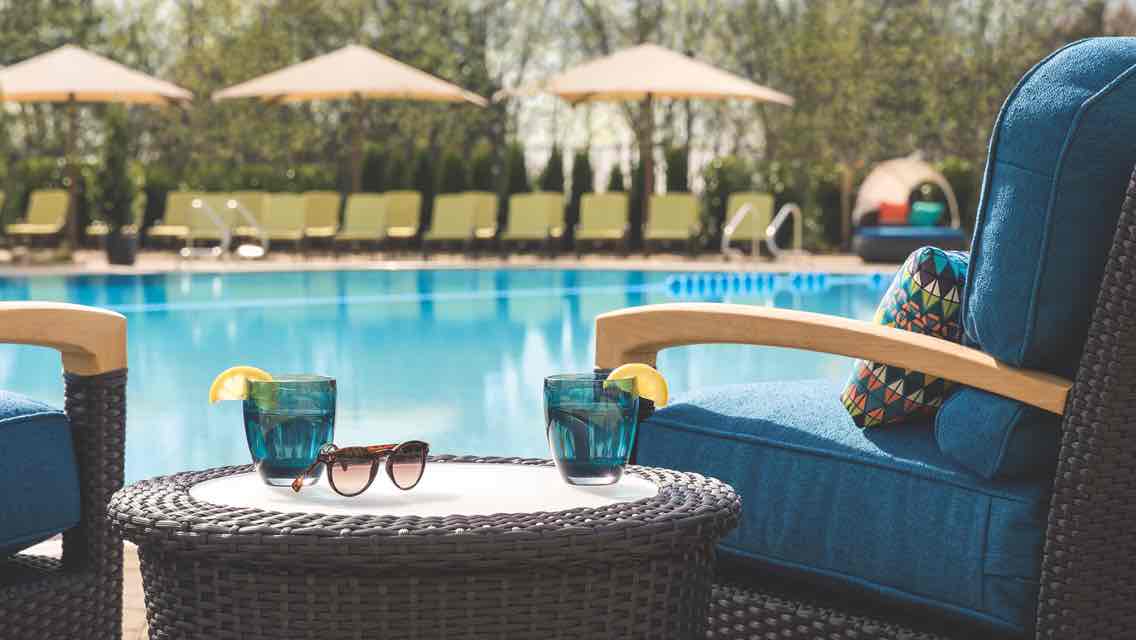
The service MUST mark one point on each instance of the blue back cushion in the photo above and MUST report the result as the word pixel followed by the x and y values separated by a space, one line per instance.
pixel 39 478
pixel 1061 153
pixel 879 509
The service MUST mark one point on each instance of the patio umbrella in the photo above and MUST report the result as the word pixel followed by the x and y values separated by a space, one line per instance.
pixel 356 73
pixel 644 73
pixel 72 75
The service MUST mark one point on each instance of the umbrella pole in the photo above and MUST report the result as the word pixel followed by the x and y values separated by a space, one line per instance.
pixel 647 150
pixel 357 144
pixel 71 240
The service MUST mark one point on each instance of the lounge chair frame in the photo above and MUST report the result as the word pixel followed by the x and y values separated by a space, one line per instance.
pixel 1088 585
pixel 80 594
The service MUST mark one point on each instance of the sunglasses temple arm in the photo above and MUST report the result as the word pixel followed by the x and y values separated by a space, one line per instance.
pixel 298 483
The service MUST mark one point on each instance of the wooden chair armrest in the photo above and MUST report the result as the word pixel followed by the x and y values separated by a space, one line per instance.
pixel 91 340
pixel 639 333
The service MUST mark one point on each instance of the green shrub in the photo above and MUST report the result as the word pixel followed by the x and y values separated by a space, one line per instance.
pixel 399 172
pixel 453 174
pixel 965 180
pixel 425 182
pixel 42 172
pixel 313 177
pixel 615 179
pixel 115 186
pixel 481 175
pixel 516 173
pixel 261 176
pixel 678 180
pixel 158 181
pixel 375 168
pixel 582 178
pixel 552 177
pixel 721 177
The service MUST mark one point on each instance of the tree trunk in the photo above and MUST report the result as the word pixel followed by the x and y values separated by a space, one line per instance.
pixel 71 241
pixel 647 157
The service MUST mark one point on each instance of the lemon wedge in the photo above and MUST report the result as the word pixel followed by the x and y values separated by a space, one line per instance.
pixel 232 384
pixel 649 383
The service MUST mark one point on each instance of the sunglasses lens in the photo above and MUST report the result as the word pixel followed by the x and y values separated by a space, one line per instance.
pixel 407 464
pixel 352 479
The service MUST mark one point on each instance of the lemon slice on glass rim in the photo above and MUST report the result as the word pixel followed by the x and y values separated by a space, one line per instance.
pixel 232 383
pixel 649 383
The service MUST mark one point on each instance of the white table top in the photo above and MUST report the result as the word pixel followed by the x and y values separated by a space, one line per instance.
pixel 447 488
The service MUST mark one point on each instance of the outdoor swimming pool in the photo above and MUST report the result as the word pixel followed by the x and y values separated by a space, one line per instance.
pixel 454 357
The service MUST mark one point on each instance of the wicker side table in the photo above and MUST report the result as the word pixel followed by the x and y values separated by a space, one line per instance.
pixel 623 569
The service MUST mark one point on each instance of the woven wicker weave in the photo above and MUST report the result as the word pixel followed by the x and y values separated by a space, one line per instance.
pixel 638 569
pixel 80 595
pixel 1088 581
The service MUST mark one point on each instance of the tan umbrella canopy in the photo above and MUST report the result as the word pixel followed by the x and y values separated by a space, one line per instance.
pixel 72 75
pixel 353 72
pixel 644 73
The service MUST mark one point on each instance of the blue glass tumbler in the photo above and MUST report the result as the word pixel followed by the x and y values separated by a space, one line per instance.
pixel 590 423
pixel 287 420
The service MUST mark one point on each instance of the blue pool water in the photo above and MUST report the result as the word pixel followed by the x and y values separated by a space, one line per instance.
pixel 453 357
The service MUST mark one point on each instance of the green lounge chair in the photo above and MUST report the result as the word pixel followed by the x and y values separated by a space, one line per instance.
pixel 99 229
pixel 752 228
pixel 673 218
pixel 45 219
pixel 535 218
pixel 254 203
pixel 603 218
pixel 484 214
pixel 321 214
pixel 210 216
pixel 402 214
pixel 363 220
pixel 284 218
pixel 174 224
pixel 452 222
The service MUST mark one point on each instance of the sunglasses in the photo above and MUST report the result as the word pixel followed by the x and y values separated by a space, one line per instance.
pixel 351 470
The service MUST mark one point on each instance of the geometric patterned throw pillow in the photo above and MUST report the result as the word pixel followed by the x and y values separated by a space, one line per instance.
pixel 924 298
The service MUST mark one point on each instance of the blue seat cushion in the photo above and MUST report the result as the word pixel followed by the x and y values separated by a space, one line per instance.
pixel 39 475
pixel 882 510
pixel 1061 153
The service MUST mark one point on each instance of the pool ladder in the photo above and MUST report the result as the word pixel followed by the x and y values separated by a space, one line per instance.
pixel 788 210
pixel 222 248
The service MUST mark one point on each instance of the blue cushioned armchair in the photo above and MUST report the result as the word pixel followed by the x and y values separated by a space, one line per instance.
pixel 59 471
pixel 891 532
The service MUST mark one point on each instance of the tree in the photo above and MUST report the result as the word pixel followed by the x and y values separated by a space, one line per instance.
pixel 517 175
pixel 425 182
pixel 677 179
pixel 453 176
pixel 115 187
pixel 481 176
pixel 552 177
pixel 375 169
pixel 582 179
pixel 615 179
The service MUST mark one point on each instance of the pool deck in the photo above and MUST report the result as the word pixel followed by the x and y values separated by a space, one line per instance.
pixel 90 262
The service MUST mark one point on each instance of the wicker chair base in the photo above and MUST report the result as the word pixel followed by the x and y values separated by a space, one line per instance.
pixel 745 609
pixel 42 599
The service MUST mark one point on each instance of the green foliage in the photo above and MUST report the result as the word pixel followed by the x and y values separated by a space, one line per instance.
pixel 965 180
pixel 116 188
pixel 400 172
pixel 375 167
pixel 481 176
pixel 582 179
pixel 677 162
pixel 453 175
pixel 517 176
pixel 158 180
pixel 552 177
pixel 615 179
pixel 425 182
pixel 721 177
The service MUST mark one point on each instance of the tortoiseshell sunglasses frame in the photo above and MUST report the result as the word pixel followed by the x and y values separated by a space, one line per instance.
pixel 329 454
